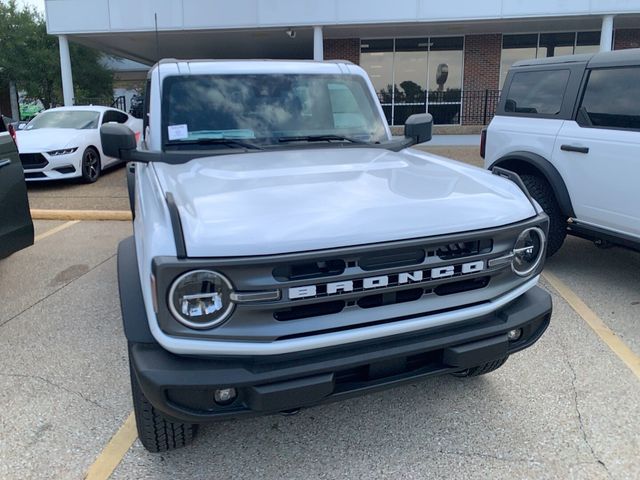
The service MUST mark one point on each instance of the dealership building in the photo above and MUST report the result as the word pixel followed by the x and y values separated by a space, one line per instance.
pixel 447 57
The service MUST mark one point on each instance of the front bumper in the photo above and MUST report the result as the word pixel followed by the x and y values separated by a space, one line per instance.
pixel 57 167
pixel 183 387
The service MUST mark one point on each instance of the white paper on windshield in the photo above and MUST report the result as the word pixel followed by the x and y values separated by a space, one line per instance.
pixel 178 132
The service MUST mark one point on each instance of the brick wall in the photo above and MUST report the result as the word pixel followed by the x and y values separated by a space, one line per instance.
pixel 626 38
pixel 342 49
pixel 481 72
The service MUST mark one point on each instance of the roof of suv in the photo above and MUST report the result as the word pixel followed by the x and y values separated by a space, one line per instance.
pixel 205 66
pixel 602 59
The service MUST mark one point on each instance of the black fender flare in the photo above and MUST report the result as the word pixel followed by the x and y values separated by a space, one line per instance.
pixel 134 314
pixel 531 163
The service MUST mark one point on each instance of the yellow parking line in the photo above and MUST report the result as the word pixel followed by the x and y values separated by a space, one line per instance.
pixel 89 215
pixel 55 230
pixel 114 452
pixel 618 347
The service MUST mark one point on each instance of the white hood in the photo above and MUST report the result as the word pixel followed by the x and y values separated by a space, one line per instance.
pixel 300 200
pixel 48 139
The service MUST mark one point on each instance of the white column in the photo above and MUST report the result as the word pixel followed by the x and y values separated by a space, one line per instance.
pixel 318 44
pixel 15 107
pixel 606 35
pixel 65 69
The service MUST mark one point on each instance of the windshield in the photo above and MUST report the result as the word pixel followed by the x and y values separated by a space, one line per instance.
pixel 269 108
pixel 78 119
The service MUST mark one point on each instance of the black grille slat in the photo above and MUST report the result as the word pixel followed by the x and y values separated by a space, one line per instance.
pixel 391 259
pixel 458 250
pixel 33 160
pixel 308 311
pixel 309 270
pixel 462 286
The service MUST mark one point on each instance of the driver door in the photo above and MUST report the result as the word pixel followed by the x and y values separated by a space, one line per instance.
pixel 16 227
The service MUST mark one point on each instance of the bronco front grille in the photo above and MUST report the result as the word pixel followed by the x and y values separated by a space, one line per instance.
pixel 322 291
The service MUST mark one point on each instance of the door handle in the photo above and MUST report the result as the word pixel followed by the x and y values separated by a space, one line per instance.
pixel 573 148
pixel 5 162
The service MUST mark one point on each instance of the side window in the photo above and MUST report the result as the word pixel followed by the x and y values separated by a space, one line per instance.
pixel 107 117
pixel 114 116
pixel 537 93
pixel 612 98
pixel 120 117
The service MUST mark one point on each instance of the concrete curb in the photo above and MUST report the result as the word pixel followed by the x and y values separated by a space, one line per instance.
pixel 89 215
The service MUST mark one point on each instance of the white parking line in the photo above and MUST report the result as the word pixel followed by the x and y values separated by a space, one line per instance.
pixel 618 347
pixel 55 230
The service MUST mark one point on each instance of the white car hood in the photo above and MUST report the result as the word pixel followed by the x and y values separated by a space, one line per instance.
pixel 300 200
pixel 47 139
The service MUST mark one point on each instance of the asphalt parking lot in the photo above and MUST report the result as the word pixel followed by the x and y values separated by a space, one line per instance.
pixel 566 408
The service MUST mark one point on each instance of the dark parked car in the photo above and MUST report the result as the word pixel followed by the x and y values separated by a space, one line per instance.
pixel 16 227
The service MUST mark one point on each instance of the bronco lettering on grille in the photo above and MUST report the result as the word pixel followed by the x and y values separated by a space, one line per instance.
pixel 381 281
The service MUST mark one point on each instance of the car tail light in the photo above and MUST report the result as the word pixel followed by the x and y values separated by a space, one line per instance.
pixel 483 142
pixel 12 132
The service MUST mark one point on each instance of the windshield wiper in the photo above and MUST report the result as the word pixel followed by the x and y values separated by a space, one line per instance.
pixel 233 142
pixel 321 138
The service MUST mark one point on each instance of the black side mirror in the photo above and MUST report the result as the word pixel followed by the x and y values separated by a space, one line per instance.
pixel 118 140
pixel 418 127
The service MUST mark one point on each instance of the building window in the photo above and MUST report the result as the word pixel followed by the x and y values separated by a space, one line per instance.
pixel 416 75
pixel 541 45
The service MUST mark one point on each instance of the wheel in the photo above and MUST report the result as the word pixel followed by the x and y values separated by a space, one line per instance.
pixel 156 433
pixel 481 369
pixel 91 167
pixel 542 192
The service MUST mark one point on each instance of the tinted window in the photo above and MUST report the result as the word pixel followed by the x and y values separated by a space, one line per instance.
pixel 539 92
pixel 76 119
pixel 269 106
pixel 114 116
pixel 612 98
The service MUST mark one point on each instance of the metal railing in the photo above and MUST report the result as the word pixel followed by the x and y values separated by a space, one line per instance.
pixel 114 102
pixel 452 107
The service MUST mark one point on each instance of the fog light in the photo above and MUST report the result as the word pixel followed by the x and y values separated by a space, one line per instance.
pixel 225 396
pixel 514 335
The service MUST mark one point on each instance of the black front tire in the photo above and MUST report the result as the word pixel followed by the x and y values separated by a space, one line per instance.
pixel 156 433
pixel 542 192
pixel 91 166
pixel 481 369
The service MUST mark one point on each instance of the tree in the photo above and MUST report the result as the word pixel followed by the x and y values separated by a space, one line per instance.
pixel 414 93
pixel 30 57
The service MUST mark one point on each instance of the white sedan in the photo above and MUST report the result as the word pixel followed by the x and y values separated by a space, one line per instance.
pixel 65 143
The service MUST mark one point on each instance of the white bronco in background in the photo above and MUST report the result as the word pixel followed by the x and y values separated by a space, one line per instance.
pixel 570 127
pixel 288 251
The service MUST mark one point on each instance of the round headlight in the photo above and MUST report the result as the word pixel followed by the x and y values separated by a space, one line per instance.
pixel 528 251
pixel 201 299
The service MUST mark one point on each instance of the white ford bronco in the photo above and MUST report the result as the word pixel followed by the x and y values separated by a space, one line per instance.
pixel 288 251
pixel 570 127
